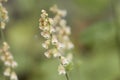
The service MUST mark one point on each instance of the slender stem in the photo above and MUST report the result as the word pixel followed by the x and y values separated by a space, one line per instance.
pixel 67 77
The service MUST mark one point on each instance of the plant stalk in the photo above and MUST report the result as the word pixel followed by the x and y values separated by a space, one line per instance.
pixel 67 77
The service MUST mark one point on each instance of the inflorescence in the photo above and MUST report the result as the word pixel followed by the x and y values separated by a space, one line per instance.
pixel 9 63
pixel 5 55
pixel 3 15
pixel 57 42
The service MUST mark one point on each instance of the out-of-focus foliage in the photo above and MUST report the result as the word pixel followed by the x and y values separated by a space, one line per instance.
pixel 96 55
pixel 92 7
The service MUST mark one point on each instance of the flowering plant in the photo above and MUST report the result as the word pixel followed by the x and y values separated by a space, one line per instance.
pixel 5 55
pixel 57 43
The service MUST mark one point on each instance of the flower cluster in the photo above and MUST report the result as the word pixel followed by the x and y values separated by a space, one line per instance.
pixel 8 61
pixel 3 15
pixel 5 55
pixel 56 32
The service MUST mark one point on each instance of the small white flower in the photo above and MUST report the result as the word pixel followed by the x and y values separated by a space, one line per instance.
pixel 51 21
pixel 14 64
pixel 67 30
pixel 65 38
pixel 3 58
pixel 54 40
pixel 46 28
pixel 5 46
pixel 52 29
pixel 45 45
pixel 58 29
pixel 70 45
pixel 56 53
pixel 7 63
pixel 61 70
pixel 44 14
pixel 13 76
pixel 54 9
pixel 42 21
pixel 69 57
pixel 60 46
pixel 41 27
pixel 10 57
pixel 7 53
pixel 48 54
pixel 45 34
pixel 2 25
pixel 7 72
pixel 63 13
pixel 43 11
pixel 64 60
pixel 62 22
pixel 56 19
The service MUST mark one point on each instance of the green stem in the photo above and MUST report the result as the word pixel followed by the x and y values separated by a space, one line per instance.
pixel 67 77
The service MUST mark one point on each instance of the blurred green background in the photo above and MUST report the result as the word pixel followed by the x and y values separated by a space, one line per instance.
pixel 95 33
